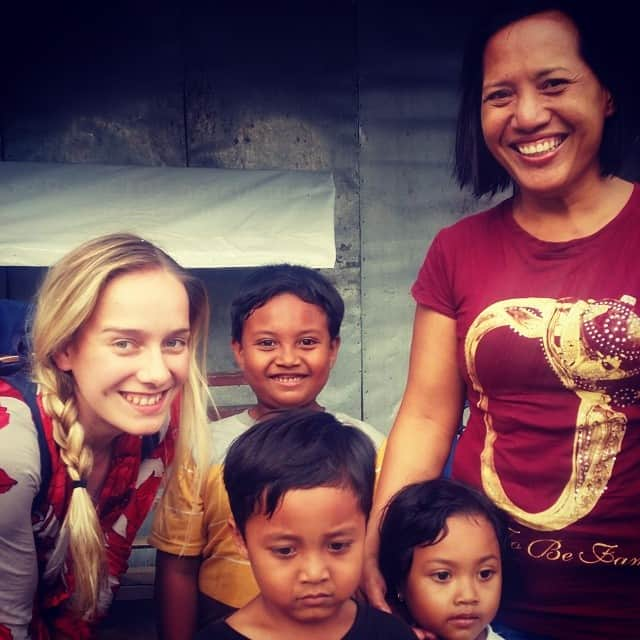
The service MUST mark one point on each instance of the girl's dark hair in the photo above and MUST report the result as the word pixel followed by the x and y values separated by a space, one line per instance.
pixel 600 47
pixel 296 449
pixel 266 282
pixel 417 516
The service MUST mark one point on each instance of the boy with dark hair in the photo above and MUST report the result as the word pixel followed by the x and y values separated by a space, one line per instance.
pixel 300 486
pixel 269 281
pixel 285 326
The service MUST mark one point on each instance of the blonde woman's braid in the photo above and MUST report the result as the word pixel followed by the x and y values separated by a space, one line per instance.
pixel 69 436
pixel 81 529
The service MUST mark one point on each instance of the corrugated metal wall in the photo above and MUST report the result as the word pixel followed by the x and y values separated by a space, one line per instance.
pixel 408 100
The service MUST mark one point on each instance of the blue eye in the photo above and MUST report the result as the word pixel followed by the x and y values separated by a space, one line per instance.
pixel 176 344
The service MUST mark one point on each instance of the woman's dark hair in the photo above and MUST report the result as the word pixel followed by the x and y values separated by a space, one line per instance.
pixel 600 41
pixel 269 281
pixel 296 449
pixel 417 517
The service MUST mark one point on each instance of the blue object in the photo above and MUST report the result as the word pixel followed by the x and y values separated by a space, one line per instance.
pixel 15 317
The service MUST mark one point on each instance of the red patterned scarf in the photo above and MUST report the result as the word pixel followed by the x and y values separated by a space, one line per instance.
pixel 137 467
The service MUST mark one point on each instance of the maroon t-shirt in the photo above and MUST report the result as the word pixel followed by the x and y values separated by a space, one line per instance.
pixel 549 343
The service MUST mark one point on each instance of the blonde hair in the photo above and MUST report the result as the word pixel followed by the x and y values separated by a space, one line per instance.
pixel 67 298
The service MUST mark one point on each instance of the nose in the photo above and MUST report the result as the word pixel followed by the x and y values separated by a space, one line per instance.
pixel 287 356
pixel 153 368
pixel 530 111
pixel 466 591
pixel 314 569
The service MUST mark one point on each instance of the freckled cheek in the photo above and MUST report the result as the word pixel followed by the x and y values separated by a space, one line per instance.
pixel 111 371
pixel 180 368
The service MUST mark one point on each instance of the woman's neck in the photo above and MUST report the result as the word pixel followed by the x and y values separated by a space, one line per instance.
pixel 581 213
pixel 99 470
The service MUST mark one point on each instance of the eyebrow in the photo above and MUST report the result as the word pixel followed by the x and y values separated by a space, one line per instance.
pixel 488 557
pixel 281 537
pixel 343 531
pixel 275 332
pixel 139 332
pixel 538 75
pixel 450 562
pixel 546 72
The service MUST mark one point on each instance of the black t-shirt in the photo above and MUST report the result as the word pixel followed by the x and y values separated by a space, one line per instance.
pixel 369 624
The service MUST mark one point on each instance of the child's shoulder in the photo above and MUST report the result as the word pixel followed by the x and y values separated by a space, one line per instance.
pixel 224 431
pixel 376 436
pixel 373 624
pixel 492 635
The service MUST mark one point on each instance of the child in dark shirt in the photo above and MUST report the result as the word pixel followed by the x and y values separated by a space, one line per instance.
pixel 300 487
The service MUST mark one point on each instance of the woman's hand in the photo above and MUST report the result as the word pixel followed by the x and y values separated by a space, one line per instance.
pixel 420 439
pixel 374 588
pixel 373 585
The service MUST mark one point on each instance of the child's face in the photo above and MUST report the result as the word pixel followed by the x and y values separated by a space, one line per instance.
pixel 131 358
pixel 307 558
pixel 453 587
pixel 286 353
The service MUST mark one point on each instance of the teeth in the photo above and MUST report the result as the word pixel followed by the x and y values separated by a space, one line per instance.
pixel 142 400
pixel 539 147
pixel 287 378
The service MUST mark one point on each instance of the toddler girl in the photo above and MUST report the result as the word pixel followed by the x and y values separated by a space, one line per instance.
pixel 440 555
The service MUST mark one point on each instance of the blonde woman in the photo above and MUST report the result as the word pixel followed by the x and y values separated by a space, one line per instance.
pixel 118 342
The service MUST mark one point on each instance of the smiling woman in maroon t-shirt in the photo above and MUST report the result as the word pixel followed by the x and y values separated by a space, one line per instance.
pixel 531 309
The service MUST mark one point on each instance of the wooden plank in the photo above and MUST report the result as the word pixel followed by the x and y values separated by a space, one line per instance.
pixel 226 379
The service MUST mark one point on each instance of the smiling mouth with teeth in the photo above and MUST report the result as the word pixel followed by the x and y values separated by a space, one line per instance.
pixel 540 147
pixel 143 400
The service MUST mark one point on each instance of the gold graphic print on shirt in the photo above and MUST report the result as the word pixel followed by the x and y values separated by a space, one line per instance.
pixel 593 347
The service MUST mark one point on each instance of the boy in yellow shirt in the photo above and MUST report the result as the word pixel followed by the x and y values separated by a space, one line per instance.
pixel 285 325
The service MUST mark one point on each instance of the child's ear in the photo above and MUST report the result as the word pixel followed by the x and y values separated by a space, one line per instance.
pixel 238 354
pixel 237 538
pixel 334 348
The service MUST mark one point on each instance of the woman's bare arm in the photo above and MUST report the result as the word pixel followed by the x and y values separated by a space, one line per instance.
pixel 422 434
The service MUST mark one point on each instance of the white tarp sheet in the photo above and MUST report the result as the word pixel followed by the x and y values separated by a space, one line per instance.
pixel 201 217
